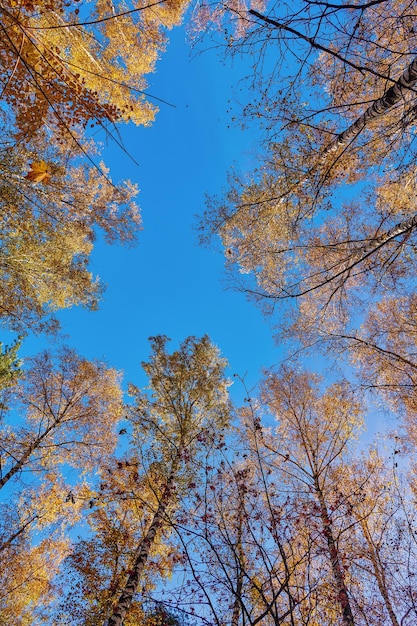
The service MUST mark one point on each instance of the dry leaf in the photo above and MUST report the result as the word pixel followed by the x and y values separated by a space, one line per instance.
pixel 39 172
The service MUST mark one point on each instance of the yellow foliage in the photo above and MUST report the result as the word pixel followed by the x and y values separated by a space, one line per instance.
pixel 93 72
pixel 26 582
pixel 39 172
pixel 315 429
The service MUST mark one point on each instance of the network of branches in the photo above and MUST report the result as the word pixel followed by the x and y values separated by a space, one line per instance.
pixel 173 507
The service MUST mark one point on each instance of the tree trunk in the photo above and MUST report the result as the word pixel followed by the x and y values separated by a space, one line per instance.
pixel 379 107
pixel 19 532
pixel 337 569
pixel 379 573
pixel 26 455
pixel 240 559
pixel 142 553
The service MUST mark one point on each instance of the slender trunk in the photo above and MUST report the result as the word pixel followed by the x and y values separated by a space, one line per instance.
pixel 237 605
pixel 337 569
pixel 126 597
pixel 402 228
pixel 26 456
pixel 379 107
pixel 379 573
pixel 19 532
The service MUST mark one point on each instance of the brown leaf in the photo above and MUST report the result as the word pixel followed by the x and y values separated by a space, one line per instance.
pixel 39 172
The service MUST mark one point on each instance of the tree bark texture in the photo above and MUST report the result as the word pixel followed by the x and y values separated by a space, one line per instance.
pixel 379 573
pixel 378 108
pixel 142 553
pixel 337 569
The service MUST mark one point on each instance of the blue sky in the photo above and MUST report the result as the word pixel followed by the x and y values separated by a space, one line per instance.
pixel 168 284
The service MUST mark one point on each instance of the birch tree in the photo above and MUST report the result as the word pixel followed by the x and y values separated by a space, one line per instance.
pixel 67 412
pixel 94 573
pixel 326 222
pixel 314 433
pixel 58 417
pixel 182 414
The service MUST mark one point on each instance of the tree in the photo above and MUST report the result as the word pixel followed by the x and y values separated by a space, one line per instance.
pixel 366 487
pixel 68 409
pixel 238 538
pixel 94 573
pixel 314 433
pixel 181 416
pixel 26 574
pixel 66 65
pixel 300 529
pixel 334 122
pixel 34 541
pixel 58 416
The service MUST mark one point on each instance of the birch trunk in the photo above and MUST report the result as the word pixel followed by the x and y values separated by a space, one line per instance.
pixel 20 463
pixel 379 107
pixel 142 553
pixel 337 569
pixel 379 573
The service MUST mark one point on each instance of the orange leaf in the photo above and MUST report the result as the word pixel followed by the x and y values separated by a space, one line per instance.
pixel 39 172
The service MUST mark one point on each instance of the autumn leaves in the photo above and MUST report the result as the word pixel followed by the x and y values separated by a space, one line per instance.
pixel 132 526
pixel 60 75
pixel 40 172
pixel 323 233
pixel 266 515
pixel 59 468
pixel 61 413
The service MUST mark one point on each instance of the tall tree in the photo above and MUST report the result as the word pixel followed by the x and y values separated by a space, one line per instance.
pixel 367 496
pixel 314 432
pixel 94 573
pixel 180 417
pixel 300 530
pixel 332 120
pixel 27 571
pixel 59 416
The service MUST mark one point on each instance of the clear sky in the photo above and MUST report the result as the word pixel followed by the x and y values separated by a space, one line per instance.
pixel 168 284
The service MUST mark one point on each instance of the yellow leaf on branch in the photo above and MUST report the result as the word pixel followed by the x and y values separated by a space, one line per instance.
pixel 39 172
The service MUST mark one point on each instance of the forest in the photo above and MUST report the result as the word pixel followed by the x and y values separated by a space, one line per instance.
pixel 199 496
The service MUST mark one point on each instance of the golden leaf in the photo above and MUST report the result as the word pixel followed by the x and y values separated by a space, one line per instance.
pixel 39 172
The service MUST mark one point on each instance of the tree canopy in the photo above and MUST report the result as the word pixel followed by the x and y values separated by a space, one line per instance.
pixel 175 502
